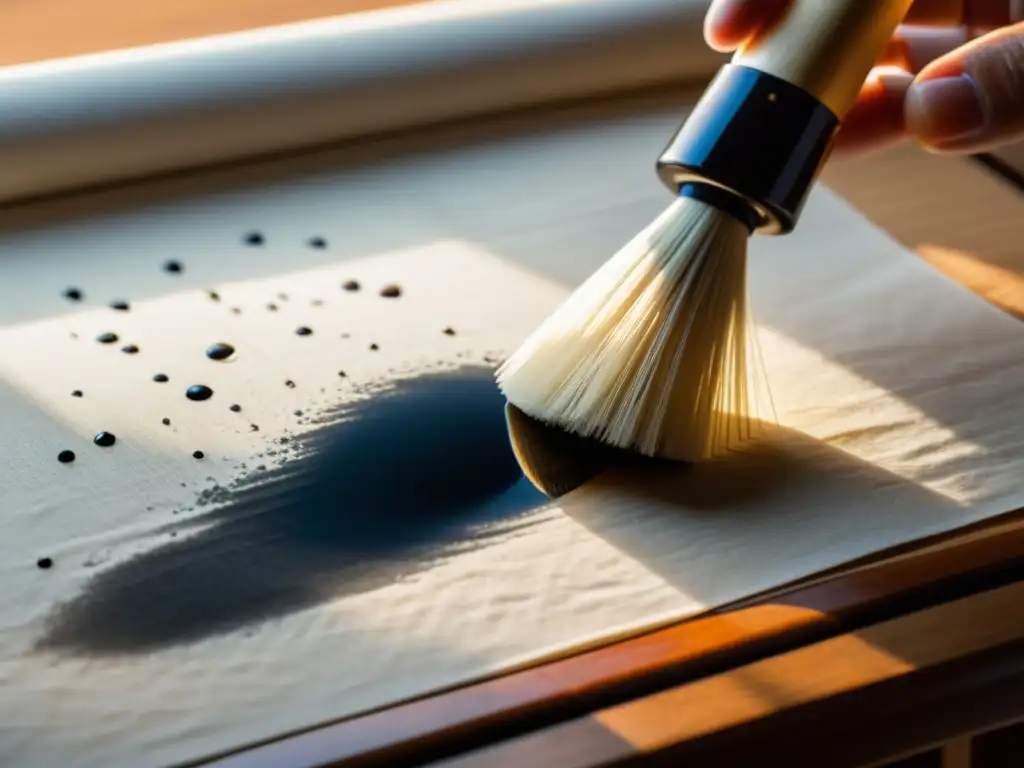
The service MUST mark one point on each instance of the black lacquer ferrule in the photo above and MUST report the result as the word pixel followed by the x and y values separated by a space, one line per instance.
pixel 761 138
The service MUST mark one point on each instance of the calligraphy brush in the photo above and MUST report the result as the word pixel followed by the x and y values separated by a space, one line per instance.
pixel 650 355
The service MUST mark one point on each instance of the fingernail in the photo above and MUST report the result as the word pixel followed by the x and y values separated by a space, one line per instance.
pixel 945 109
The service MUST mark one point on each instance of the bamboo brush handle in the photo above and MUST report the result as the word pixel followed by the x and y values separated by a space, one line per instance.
pixel 826 47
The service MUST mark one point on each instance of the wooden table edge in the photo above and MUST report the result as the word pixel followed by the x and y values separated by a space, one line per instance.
pixel 463 718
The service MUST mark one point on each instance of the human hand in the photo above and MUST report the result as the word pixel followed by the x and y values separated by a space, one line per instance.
pixel 954 81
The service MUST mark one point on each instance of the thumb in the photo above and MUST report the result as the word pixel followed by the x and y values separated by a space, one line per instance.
pixel 971 99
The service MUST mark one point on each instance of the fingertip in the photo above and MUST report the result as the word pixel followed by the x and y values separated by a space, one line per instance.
pixel 877 118
pixel 730 23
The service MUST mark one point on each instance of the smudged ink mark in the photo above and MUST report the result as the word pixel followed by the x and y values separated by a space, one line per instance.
pixel 236 310
pixel 198 454
pixel 317 303
pixel 198 392
pixel 374 347
pixel 120 305
pixel 351 285
pixel 213 295
pixel 303 330
pixel 298 413
pixel 391 291
pixel 174 267
pixel 254 239
pixel 73 335
pixel 104 439
pixel 448 331
pixel 254 427
pixel 282 296
pixel 161 378
pixel 44 563
pixel 220 351
pixel 73 294
pixel 342 375
pixel 290 384
pixel 165 421
pixel 107 338
pixel 384 489
pixel 77 393
pixel 272 307
pixel 66 457
pixel 318 243
pixel 236 408
pixel 130 349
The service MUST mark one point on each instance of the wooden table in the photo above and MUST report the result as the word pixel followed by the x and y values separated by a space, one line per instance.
pixel 903 663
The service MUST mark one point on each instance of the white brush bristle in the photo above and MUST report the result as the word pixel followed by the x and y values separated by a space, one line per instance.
pixel 653 352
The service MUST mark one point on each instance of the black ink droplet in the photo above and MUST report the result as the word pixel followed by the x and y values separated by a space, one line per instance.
pixel 290 384
pixel 391 291
pixel 342 374
pixel 254 239
pixel 174 267
pixel 271 307
pixel 165 421
pixel 161 378
pixel 120 305
pixel 44 563
pixel 73 294
pixel 449 331
pixel 220 351
pixel 198 392
pixel 254 427
pixel 351 285
pixel 107 338
pixel 66 457
pixel 130 349
pixel 197 454
pixel 374 347
pixel 236 408
pixel 77 393
pixel 317 242
pixel 104 439
pixel 298 413
pixel 303 330
pixel 213 295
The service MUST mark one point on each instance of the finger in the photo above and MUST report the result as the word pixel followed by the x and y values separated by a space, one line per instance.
pixel 730 23
pixel 913 48
pixel 877 119
pixel 973 98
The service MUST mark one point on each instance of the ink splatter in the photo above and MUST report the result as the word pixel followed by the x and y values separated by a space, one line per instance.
pixel 73 294
pixel 77 393
pixel 351 285
pixel 383 490
pixel 254 239
pixel 130 349
pixel 165 421
pixel 120 305
pixel 104 439
pixel 236 310
pixel 318 243
pixel 220 351
pixel 236 408
pixel 44 563
pixel 303 330
pixel 290 384
pixel 174 267
pixel 66 457
pixel 254 427
pixel 198 392
pixel 198 454
pixel 374 347
pixel 213 295
pixel 107 338
pixel 342 374
pixel 449 331
pixel 391 291
pixel 282 296
pixel 316 303
pixel 161 378
pixel 272 307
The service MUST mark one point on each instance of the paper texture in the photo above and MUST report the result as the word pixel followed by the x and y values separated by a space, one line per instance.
pixel 896 391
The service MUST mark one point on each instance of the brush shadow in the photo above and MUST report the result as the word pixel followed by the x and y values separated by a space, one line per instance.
pixel 754 512
pixel 384 489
